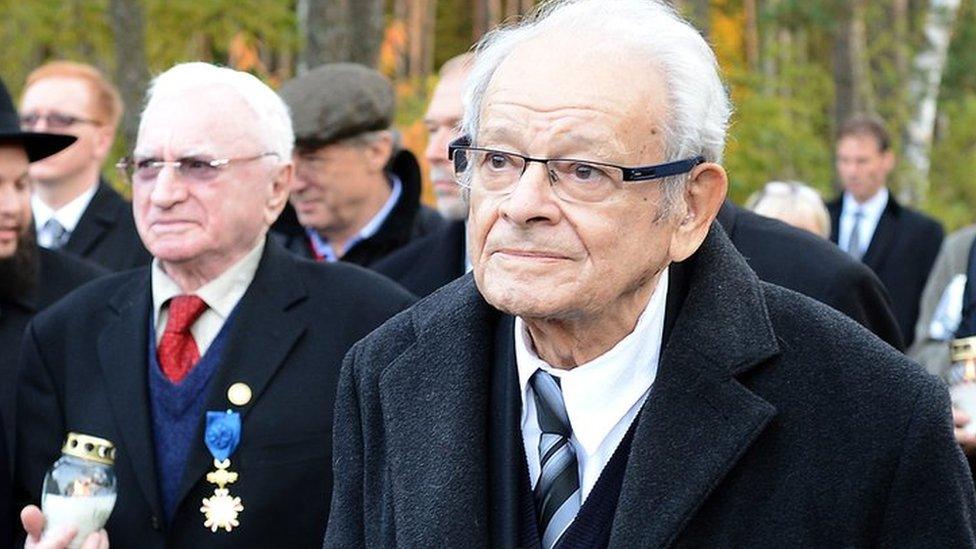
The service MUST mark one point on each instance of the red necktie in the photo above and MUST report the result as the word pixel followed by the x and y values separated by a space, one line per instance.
pixel 177 351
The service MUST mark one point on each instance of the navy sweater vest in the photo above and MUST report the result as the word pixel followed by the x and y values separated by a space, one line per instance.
pixel 178 415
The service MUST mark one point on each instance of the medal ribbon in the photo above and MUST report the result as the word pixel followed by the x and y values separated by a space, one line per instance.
pixel 222 434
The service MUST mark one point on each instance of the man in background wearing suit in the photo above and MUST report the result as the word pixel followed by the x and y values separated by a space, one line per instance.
pixel 31 278
pixel 431 262
pixel 815 267
pixel 75 210
pixel 613 373
pixel 224 324
pixel 898 243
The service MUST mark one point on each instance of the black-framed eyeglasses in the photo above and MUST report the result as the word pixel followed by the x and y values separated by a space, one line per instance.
pixel 55 120
pixel 498 172
pixel 146 170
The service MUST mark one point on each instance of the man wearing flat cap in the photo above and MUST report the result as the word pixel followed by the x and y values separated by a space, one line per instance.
pixel 355 195
pixel 31 278
pixel 612 373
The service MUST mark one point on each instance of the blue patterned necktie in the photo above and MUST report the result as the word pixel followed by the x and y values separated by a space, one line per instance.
pixel 59 236
pixel 557 494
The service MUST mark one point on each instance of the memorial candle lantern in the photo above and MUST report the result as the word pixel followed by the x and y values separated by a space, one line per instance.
pixel 963 378
pixel 80 488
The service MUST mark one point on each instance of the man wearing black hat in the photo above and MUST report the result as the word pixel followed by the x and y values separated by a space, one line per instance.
pixel 30 278
pixel 356 197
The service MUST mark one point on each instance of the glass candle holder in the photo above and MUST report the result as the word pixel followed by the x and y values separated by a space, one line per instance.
pixel 80 488
pixel 962 378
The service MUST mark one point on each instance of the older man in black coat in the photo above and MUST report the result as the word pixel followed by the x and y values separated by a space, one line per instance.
pixel 224 324
pixel 613 374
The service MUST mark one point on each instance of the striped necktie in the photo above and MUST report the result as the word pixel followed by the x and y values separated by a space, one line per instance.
pixel 854 241
pixel 557 494
pixel 59 235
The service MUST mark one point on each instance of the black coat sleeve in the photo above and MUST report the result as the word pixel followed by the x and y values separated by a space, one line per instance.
pixel 857 292
pixel 931 501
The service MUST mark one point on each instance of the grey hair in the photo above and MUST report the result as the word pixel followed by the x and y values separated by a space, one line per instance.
pixel 271 114
pixel 698 105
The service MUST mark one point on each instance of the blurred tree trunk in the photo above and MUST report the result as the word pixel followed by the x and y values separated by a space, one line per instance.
pixel 421 15
pixel 852 75
pixel 487 14
pixel 923 92
pixel 751 34
pixel 131 73
pixel 515 8
pixel 339 30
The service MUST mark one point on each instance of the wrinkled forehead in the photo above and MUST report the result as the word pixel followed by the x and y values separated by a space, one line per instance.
pixel 602 91
pixel 198 120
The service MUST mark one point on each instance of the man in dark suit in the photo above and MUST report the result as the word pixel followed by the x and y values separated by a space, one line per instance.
pixel 29 280
pixel 356 197
pixel 75 210
pixel 613 373
pixel 225 321
pixel 898 243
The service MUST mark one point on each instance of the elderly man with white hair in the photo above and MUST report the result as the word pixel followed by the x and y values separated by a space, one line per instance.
pixel 213 371
pixel 613 373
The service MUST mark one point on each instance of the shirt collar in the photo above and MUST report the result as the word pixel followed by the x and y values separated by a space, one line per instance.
pixel 67 215
pixel 322 247
pixel 598 394
pixel 871 208
pixel 220 294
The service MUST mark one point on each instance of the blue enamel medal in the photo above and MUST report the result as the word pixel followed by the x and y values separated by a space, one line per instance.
pixel 222 435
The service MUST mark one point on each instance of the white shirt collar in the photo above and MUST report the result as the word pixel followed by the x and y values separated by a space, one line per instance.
pixel 67 215
pixel 220 294
pixel 872 208
pixel 599 394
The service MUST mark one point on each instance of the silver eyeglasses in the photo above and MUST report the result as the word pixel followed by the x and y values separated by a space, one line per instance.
pixel 146 170
pixel 498 172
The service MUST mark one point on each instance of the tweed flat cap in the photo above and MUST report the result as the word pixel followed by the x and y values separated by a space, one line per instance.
pixel 338 100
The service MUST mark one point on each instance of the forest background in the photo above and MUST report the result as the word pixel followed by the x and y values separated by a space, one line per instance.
pixel 795 68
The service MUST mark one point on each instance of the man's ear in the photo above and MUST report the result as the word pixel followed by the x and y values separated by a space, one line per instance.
pixel 379 151
pixel 104 138
pixel 281 184
pixel 703 196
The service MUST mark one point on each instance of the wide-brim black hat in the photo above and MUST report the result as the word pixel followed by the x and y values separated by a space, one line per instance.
pixel 37 145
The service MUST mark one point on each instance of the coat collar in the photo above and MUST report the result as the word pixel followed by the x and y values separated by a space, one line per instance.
pixel 252 356
pixel 98 218
pixel 697 422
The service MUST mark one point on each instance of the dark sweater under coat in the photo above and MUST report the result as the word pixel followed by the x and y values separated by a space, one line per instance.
pixel 774 421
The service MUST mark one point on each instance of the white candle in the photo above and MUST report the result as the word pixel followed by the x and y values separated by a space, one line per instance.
pixel 87 513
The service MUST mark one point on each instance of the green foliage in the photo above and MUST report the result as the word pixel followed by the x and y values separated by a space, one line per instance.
pixel 952 195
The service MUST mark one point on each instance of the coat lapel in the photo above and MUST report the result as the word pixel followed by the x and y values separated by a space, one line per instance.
pixel 884 236
pixel 264 331
pixel 97 219
pixel 435 400
pixel 698 420
pixel 122 353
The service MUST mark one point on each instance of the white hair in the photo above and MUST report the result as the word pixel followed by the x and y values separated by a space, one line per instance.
pixel 794 203
pixel 271 115
pixel 698 106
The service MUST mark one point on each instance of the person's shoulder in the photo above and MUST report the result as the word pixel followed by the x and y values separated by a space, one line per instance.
pixel 450 306
pixel 73 270
pixel 920 220
pixel 802 248
pixel 960 241
pixel 82 305
pixel 351 288
pixel 831 346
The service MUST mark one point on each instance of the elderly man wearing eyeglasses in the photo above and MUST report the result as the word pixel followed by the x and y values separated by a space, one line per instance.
pixel 75 209
pixel 213 370
pixel 612 373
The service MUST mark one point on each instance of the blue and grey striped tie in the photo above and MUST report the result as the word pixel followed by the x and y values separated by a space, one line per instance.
pixel 557 494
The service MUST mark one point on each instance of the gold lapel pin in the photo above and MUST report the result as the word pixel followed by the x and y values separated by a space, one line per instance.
pixel 239 394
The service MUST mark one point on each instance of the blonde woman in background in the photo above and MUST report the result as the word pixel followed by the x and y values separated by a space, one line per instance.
pixel 793 203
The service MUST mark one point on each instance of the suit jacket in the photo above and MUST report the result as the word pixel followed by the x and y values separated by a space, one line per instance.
pixel 106 233
pixel 901 253
pixel 952 260
pixel 85 369
pixel 57 274
pixel 805 263
pixel 426 264
pixel 6 513
pixel 408 220
pixel 774 421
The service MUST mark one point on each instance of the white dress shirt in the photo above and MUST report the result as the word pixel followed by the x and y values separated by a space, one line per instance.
pixel 602 397
pixel 67 215
pixel 220 294
pixel 872 210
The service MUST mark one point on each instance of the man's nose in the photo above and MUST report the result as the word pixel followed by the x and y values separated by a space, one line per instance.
pixel 532 199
